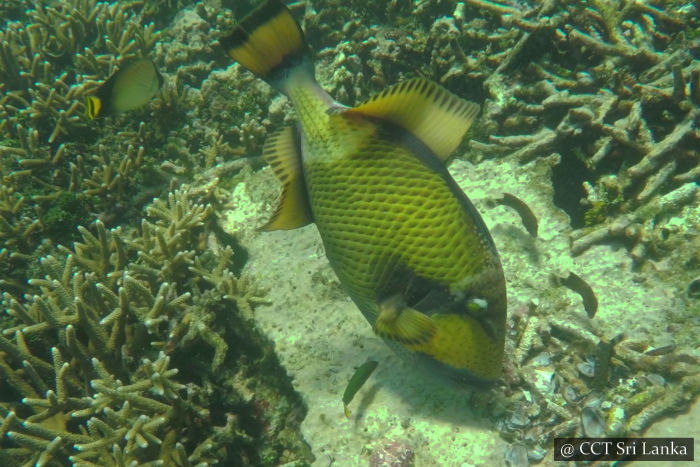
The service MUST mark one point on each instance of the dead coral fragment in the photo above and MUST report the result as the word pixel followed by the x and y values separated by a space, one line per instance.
pixel 624 117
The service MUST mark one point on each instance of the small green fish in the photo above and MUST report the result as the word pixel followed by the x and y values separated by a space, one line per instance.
pixel 404 240
pixel 358 379
pixel 130 87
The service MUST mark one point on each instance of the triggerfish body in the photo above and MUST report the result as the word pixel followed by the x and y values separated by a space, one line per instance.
pixel 404 240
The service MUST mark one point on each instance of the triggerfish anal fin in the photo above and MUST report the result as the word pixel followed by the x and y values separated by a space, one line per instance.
pixel 281 151
pixel 434 115
pixel 267 42
pixel 402 324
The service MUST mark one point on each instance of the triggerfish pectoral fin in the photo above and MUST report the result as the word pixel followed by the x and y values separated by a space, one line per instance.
pixel 402 324
pixel 430 112
pixel 281 151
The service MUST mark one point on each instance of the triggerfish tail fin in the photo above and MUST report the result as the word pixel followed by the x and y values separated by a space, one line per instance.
pixel 281 151
pixel 402 324
pixel 433 114
pixel 270 43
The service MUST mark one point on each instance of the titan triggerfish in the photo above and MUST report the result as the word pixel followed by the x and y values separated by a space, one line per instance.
pixel 404 240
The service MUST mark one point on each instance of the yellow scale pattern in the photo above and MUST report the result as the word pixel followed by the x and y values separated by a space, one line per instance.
pixel 381 202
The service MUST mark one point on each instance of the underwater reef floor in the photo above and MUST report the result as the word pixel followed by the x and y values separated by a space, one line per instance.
pixel 321 337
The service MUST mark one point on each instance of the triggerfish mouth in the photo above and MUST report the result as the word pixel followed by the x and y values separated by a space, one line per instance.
pixel 404 240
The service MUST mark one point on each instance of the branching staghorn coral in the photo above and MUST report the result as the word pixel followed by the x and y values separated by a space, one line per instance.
pixel 50 56
pixel 615 95
pixel 114 355
pixel 45 65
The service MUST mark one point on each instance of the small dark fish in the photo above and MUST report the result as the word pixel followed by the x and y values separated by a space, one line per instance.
pixel 358 379
pixel 663 350
pixel 581 287
pixel 130 87
pixel 605 353
pixel 526 215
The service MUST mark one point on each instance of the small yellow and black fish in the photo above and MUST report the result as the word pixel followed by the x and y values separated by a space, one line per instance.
pixel 404 240
pixel 359 378
pixel 130 87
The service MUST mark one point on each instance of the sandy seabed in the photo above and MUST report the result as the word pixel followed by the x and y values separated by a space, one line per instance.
pixel 321 337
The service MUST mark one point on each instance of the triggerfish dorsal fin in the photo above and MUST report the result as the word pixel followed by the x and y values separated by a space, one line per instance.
pixel 430 112
pixel 402 324
pixel 281 151
pixel 269 42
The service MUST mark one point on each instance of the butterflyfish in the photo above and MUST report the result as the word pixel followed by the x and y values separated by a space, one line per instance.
pixel 128 88
pixel 404 240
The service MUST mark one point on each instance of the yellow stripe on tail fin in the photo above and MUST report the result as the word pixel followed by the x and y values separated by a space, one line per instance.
pixel 270 43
